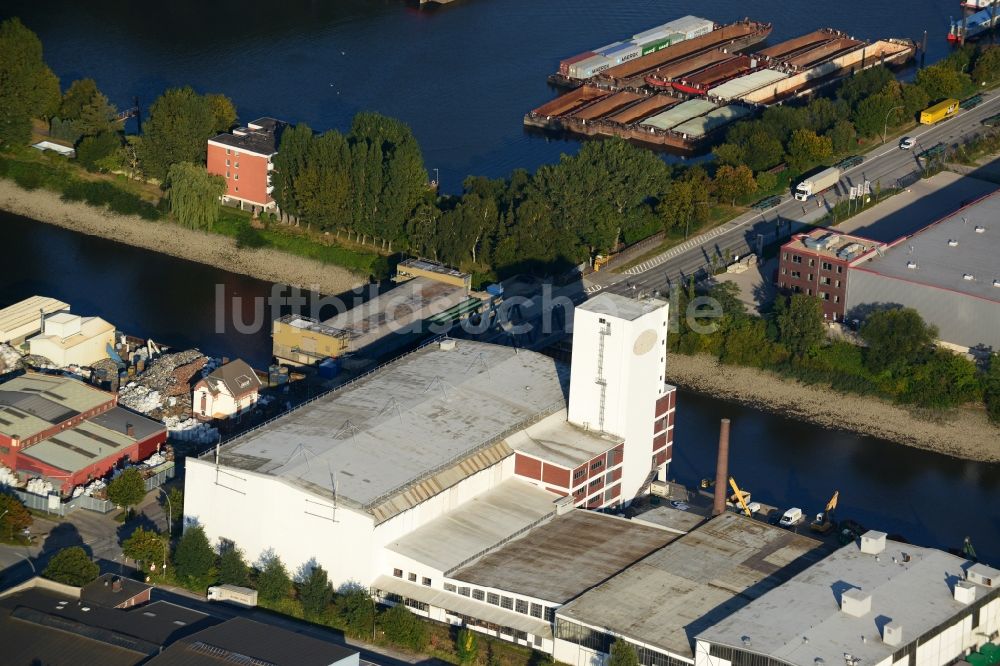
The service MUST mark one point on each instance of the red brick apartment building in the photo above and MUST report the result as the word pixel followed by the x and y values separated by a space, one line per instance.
pixel 816 264
pixel 244 158
pixel 69 432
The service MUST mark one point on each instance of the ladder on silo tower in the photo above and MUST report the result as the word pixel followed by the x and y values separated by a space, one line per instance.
pixel 601 381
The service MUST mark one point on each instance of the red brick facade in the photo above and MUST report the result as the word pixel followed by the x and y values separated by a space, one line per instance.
pixel 587 483
pixel 803 271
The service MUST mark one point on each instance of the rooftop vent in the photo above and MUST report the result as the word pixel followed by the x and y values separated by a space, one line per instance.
pixel 447 344
pixel 872 542
pixel 856 603
pixel 984 575
pixel 911 264
pixel 969 276
pixel 952 242
pixel 892 634
pixel 980 229
pixel 965 592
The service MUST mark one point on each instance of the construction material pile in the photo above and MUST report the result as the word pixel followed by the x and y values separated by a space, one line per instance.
pixel 191 430
pixel 10 359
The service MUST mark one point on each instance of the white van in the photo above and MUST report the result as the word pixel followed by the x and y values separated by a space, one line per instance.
pixel 791 517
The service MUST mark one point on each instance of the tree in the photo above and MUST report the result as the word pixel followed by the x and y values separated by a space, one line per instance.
pixel 987 67
pixel 896 338
pixel 233 569
pixel 800 323
pixel 766 181
pixel 175 506
pixel 873 113
pixel 146 546
pixel 223 112
pixel 806 149
pixel 273 582
pixel 991 388
pixel 864 84
pixel 942 380
pixel 179 125
pixel 732 183
pixel 622 654
pixel 677 206
pixel 940 82
pixel 193 556
pixel 15 516
pixel 315 592
pixel 729 153
pixel 194 195
pixel 356 610
pixel 87 109
pixel 467 646
pixel 93 150
pixel 293 152
pixel 404 628
pixel 843 137
pixel 71 566
pixel 127 489
pixel 28 88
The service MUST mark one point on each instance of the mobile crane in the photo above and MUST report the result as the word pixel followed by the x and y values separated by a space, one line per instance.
pixel 740 496
pixel 824 520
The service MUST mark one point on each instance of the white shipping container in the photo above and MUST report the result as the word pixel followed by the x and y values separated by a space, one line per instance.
pixel 692 26
pixel 653 33
pixel 625 54
pixel 589 67
pixel 605 50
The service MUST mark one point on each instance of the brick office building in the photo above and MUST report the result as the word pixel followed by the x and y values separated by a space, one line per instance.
pixel 244 158
pixel 817 263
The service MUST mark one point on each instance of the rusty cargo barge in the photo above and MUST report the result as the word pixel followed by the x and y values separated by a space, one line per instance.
pixel 682 104
pixel 630 73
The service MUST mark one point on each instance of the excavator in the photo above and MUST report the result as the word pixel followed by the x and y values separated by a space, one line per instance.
pixel 824 520
pixel 740 497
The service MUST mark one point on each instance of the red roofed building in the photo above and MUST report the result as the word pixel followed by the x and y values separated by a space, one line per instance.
pixel 244 158
pixel 69 432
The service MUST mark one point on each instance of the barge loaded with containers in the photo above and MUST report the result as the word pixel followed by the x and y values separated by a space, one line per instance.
pixel 656 47
pixel 680 103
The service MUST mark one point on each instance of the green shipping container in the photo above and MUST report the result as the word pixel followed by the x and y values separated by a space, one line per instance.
pixel 992 653
pixel 655 45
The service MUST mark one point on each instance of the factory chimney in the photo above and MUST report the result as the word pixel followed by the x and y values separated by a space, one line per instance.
pixel 722 469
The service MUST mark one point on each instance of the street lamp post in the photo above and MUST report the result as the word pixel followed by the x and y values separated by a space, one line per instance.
pixel 371 598
pixel 885 125
pixel 170 512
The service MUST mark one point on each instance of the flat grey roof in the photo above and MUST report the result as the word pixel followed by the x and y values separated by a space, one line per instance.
pixel 672 595
pixel 477 525
pixel 916 595
pixel 670 518
pixel 427 412
pixel 941 265
pixel 399 311
pixel 617 305
pixel 565 557
pixel 556 440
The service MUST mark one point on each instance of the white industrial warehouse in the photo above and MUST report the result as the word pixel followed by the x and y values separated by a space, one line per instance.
pixel 415 470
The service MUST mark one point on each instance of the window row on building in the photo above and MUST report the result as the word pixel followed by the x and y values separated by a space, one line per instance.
pixel 515 604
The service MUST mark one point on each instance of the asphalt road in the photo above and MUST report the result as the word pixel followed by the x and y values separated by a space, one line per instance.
pixel 886 164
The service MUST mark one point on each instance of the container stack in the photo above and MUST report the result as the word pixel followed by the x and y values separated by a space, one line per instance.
pixel 590 63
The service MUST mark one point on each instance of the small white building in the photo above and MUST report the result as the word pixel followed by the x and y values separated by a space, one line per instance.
pixel 877 603
pixel 229 390
pixel 69 339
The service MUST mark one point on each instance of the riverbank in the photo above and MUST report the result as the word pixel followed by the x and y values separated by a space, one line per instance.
pixel 168 238
pixel 962 433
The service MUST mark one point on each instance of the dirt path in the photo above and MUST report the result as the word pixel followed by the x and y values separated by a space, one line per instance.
pixel 212 249
pixel 964 433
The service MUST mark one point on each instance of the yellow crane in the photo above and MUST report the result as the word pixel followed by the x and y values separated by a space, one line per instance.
pixel 740 496
pixel 824 521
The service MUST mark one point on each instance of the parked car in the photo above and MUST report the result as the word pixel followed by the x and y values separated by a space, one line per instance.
pixel 907 142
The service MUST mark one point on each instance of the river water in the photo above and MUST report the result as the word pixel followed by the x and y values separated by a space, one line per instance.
pixel 462 76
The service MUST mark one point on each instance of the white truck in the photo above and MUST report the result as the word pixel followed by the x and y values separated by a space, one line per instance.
pixel 820 182
pixel 242 596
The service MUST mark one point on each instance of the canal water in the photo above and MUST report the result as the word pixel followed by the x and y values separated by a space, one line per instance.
pixel 462 76
pixel 928 498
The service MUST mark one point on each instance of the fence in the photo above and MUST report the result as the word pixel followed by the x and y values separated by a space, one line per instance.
pixel 90 503
pixel 38 502
pixel 163 472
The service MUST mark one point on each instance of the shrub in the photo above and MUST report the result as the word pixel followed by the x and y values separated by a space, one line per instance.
pixel 404 628
pixel 71 566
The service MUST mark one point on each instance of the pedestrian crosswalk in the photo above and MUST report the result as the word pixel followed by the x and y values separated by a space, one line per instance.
pixel 650 264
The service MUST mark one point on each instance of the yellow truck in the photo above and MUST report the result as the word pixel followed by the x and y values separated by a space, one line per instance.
pixel 938 112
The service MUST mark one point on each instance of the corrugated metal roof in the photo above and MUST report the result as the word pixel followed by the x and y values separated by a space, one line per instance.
pixel 713 120
pixel 23 318
pixel 676 115
pixel 743 85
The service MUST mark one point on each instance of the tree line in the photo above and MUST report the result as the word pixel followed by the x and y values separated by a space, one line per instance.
pixel 898 360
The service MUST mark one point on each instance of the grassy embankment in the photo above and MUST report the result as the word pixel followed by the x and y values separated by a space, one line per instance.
pixel 33 170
